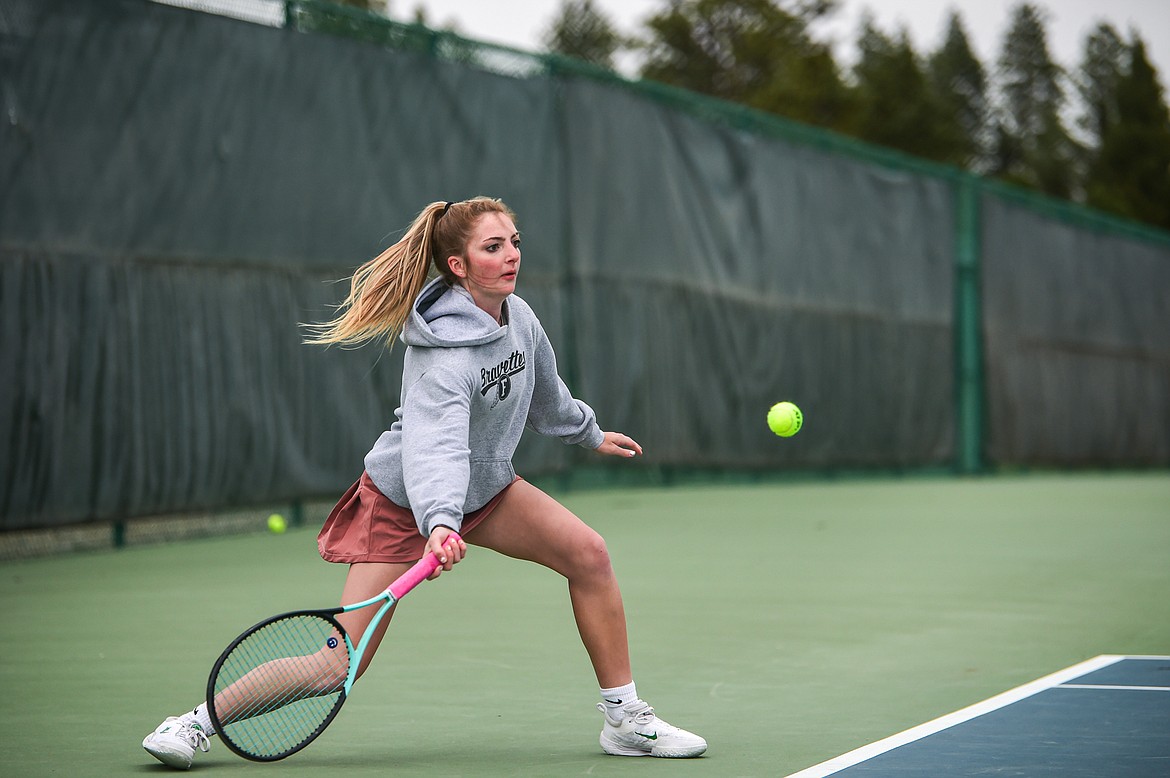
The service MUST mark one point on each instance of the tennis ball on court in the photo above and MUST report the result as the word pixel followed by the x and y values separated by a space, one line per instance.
pixel 277 524
pixel 785 419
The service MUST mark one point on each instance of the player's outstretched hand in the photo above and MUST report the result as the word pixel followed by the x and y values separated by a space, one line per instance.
pixel 617 444
pixel 447 546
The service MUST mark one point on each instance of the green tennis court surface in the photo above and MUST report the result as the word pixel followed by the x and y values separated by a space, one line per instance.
pixel 787 623
pixel 1107 716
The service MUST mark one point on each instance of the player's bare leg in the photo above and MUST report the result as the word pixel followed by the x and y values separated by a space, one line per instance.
pixel 366 580
pixel 530 525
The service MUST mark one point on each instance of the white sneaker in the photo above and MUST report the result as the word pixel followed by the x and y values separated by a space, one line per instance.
pixel 640 733
pixel 175 740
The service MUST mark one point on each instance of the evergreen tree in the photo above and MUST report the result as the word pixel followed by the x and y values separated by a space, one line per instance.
pixel 896 105
pixel 1102 67
pixel 759 53
pixel 1032 146
pixel 1130 175
pixel 959 81
pixel 583 31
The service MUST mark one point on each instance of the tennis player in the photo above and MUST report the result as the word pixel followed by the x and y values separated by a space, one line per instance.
pixel 478 368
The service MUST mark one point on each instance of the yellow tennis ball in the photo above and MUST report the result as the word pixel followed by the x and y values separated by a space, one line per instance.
pixel 277 524
pixel 785 419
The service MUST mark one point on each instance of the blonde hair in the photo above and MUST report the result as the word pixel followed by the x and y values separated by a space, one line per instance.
pixel 382 291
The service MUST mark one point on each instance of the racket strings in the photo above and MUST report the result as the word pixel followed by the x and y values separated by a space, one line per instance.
pixel 281 684
pixel 278 680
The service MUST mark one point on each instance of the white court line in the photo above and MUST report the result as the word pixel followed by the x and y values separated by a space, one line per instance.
pixel 1123 688
pixel 958 717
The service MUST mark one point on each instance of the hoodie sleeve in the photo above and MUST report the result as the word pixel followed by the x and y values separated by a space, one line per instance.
pixel 554 411
pixel 436 465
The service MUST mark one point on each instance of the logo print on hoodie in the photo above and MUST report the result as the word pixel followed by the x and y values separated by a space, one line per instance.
pixel 500 376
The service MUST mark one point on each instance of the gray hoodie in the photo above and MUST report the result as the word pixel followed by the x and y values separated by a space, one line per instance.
pixel 469 387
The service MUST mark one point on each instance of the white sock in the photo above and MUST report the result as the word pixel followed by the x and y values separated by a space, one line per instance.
pixel 202 717
pixel 618 697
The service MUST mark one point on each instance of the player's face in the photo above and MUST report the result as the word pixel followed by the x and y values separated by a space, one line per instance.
pixel 492 261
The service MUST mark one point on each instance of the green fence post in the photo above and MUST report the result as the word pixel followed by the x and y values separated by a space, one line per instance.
pixel 968 327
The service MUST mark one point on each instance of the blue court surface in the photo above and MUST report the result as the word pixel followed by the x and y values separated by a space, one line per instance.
pixel 1108 716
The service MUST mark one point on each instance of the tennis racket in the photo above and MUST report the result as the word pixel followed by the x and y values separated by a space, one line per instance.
pixel 277 686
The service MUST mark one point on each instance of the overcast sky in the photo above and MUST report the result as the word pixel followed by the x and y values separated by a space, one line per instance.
pixel 521 23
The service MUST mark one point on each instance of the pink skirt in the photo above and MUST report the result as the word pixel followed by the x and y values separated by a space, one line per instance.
pixel 365 526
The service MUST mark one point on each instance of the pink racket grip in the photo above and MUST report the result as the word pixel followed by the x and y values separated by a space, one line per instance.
pixel 417 574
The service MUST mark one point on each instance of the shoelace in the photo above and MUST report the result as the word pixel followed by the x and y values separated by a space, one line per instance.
pixel 195 737
pixel 641 715
pixel 644 716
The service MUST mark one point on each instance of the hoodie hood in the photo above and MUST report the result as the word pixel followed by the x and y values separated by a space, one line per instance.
pixel 446 316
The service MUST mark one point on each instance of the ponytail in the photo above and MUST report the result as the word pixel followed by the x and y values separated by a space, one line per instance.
pixel 383 290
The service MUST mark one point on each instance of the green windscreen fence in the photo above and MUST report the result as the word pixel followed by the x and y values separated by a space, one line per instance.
pixel 1077 324
pixel 179 190
pixel 718 271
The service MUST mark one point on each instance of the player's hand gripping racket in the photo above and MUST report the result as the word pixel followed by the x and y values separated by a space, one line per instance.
pixel 278 685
